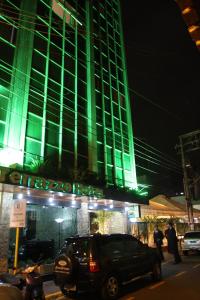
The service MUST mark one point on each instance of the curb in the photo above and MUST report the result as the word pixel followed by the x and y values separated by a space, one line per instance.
pixel 53 296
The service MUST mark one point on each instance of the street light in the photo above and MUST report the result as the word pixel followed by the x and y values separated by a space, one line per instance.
pixel 59 221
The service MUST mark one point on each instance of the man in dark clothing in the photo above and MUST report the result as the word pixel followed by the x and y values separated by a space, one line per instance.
pixel 158 240
pixel 172 242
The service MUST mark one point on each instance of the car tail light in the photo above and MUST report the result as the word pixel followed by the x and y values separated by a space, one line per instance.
pixel 94 266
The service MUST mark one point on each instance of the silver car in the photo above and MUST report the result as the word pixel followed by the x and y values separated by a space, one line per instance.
pixel 191 242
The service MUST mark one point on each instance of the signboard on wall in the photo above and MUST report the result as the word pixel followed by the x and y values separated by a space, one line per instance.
pixel 18 213
pixel 134 213
pixel 15 177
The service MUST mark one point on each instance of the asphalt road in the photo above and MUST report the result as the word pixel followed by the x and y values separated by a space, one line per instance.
pixel 179 282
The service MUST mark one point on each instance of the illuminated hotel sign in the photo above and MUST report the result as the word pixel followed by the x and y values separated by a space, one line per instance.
pixel 15 177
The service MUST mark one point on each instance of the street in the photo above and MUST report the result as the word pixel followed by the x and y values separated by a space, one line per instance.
pixel 179 281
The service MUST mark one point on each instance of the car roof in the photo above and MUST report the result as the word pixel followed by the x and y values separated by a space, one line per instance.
pixel 99 236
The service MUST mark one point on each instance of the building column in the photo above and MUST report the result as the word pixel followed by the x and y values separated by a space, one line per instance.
pixel 83 222
pixel 16 119
pixel 91 106
pixel 5 207
pixel 125 218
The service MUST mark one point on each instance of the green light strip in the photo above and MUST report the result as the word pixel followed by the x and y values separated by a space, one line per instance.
pixel 119 110
pixel 61 96
pixel 128 107
pixel 8 21
pixel 91 107
pixel 46 87
pixel 76 104
pixel 5 41
pixel 112 111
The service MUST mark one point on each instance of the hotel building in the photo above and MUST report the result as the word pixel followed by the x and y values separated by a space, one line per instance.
pixel 66 140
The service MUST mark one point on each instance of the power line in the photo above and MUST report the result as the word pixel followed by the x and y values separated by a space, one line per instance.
pixel 130 89
pixel 159 154
pixel 99 64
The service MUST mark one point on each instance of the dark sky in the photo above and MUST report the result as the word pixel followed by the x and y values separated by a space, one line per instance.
pixel 164 67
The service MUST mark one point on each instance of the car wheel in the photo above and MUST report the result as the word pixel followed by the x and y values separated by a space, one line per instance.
pixel 110 288
pixel 156 271
pixel 185 252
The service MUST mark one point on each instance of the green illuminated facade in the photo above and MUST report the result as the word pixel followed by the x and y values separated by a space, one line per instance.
pixel 63 88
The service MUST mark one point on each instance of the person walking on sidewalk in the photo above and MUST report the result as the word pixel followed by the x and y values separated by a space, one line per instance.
pixel 158 240
pixel 172 242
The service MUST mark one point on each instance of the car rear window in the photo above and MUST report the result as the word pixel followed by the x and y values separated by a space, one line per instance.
pixel 112 247
pixel 77 247
pixel 192 235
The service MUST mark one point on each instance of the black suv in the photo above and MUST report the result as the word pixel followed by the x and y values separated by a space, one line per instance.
pixel 103 262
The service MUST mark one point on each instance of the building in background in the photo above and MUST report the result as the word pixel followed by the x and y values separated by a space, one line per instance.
pixel 191 14
pixel 66 140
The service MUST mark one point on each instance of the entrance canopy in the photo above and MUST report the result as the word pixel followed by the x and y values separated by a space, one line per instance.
pixel 164 207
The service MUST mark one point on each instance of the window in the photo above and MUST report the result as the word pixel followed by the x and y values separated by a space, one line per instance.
pixel 68 140
pixel 108 121
pixel 82 145
pixel 127 164
pixel 54 71
pixel 132 246
pixel 79 248
pixel 35 103
pixel 109 137
pixel 52 134
pixel 192 235
pixel 113 248
pixel 110 172
pixel 34 127
pixel 109 155
pixel 82 106
pixel 82 125
pixel 100 152
pixel 68 119
pixel 119 176
pixel 82 88
pixel 32 146
pixel 69 81
pixel 118 158
pixel 99 133
pixel 38 61
pixel 37 81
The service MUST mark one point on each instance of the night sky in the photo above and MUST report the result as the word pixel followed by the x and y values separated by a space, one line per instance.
pixel 164 67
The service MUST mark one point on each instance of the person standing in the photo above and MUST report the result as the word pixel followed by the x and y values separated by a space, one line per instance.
pixel 158 240
pixel 172 242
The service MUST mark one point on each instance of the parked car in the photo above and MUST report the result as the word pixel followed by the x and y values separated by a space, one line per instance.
pixel 191 242
pixel 35 249
pixel 103 263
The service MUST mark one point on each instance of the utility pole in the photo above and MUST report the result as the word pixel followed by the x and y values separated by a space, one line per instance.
pixel 189 207
pixel 188 142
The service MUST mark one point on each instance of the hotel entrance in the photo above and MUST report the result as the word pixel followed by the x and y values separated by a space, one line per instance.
pixel 54 210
